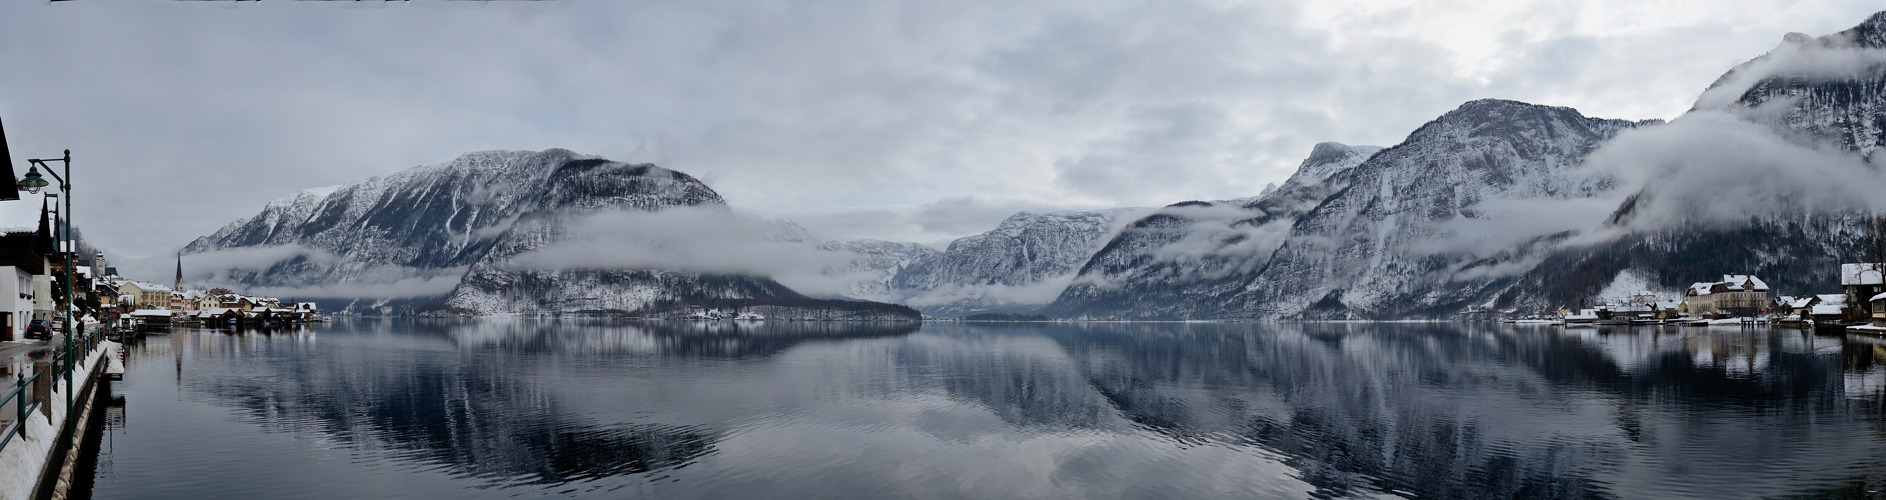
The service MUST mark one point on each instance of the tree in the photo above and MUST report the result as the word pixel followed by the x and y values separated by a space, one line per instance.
pixel 1875 248
pixel 85 300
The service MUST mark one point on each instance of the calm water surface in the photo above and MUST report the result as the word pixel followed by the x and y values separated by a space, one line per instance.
pixel 403 409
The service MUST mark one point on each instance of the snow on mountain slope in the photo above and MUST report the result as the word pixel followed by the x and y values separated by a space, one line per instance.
pixel 1775 172
pixel 1449 215
pixel 868 273
pixel 407 234
pixel 1161 265
pixel 1022 263
pixel 513 277
pixel 511 232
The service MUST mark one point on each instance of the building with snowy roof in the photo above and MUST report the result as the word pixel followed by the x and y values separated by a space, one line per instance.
pixel 1860 282
pixel 25 246
pixel 1736 295
pixel 146 295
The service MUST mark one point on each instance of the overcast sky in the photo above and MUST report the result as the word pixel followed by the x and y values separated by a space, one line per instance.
pixel 918 121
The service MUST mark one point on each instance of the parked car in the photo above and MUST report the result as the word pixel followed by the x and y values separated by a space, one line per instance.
pixel 39 328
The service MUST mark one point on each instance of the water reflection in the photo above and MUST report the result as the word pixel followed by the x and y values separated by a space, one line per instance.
pixel 495 408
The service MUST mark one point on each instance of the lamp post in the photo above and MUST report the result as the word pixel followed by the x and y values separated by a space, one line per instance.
pixel 33 182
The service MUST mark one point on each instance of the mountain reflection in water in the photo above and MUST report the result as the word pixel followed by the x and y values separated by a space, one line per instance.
pixel 1137 410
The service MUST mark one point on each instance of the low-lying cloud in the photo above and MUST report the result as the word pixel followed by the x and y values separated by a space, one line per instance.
pixel 236 269
pixel 1831 59
pixel 992 295
pixel 390 282
pixel 1710 168
pixel 1503 225
pixel 693 239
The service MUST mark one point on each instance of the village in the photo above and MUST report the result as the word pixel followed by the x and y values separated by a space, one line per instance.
pixel 1742 299
pixel 30 253
pixel 155 307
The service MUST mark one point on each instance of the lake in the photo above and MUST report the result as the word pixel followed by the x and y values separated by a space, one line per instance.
pixel 503 409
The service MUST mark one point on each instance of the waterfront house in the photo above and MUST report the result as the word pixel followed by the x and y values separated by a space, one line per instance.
pixel 1800 307
pixel 1668 309
pixel 146 295
pixel 207 301
pixel 1860 282
pixel 1736 295
pixel 222 315
pixel 1830 309
pixel 234 301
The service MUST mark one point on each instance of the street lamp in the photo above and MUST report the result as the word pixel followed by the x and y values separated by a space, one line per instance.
pixel 33 182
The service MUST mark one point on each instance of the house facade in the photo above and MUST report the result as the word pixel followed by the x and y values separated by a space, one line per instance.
pixel 1736 295
pixel 146 295
pixel 25 244
pixel 1860 282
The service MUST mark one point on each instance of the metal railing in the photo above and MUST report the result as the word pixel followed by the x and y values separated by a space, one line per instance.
pixel 59 367
pixel 18 398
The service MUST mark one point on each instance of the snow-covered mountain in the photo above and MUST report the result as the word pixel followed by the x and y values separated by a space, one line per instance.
pixel 411 233
pixel 505 281
pixel 524 233
pixel 1497 204
pixel 873 264
pixel 1502 204
pixel 1021 264
pixel 1775 171
pixel 1445 216
pixel 1163 264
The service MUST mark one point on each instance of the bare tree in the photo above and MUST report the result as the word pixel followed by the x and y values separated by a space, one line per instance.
pixel 1876 242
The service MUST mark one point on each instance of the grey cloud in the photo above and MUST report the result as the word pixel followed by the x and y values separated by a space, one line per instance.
pixel 215 269
pixel 934 223
pixel 691 239
pixel 1799 60
pixel 992 295
pixel 183 116
pixel 397 286
pixel 1503 225
pixel 1712 167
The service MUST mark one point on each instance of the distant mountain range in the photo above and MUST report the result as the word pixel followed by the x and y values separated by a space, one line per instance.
pixel 1496 205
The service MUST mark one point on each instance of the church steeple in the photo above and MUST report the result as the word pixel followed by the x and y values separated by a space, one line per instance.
pixel 179 284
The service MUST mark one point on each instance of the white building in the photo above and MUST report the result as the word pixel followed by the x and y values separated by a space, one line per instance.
pixel 25 241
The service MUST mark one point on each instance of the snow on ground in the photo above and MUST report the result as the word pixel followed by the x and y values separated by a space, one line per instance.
pixel 23 458
pixel 1627 283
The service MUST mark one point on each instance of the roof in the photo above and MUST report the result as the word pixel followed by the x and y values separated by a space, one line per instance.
pixel 151 312
pixel 1797 303
pixel 1836 299
pixel 21 216
pixel 6 167
pixel 148 287
pixel 1876 298
pixel 1825 309
pixel 1749 279
pixel 1701 288
pixel 1860 274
